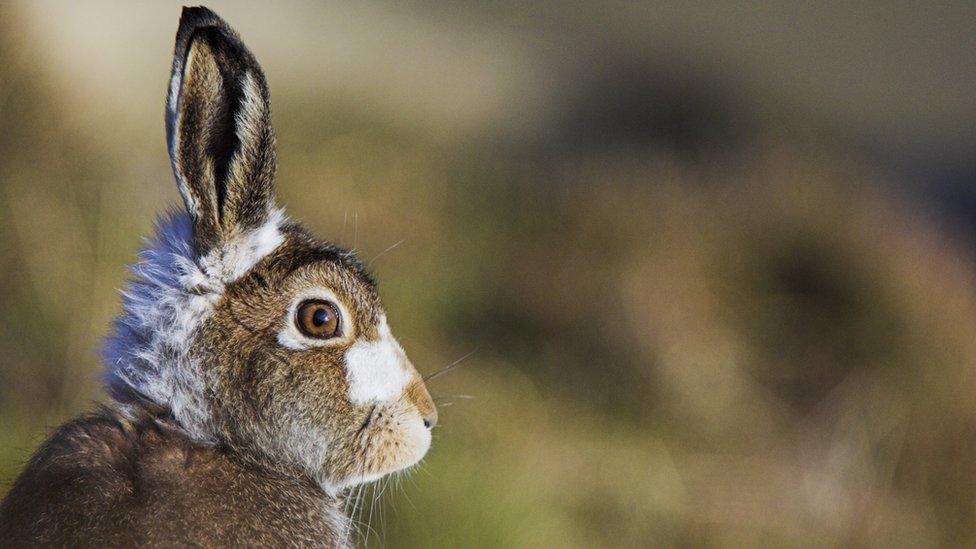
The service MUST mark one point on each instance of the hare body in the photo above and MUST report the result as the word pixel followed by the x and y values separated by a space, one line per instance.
pixel 106 480
pixel 253 373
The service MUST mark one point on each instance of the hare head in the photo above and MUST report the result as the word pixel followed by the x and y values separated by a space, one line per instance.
pixel 248 331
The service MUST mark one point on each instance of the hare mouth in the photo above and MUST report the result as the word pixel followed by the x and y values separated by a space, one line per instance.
pixel 367 422
pixel 389 439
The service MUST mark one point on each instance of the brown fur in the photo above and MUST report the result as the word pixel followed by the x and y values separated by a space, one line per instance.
pixel 104 480
pixel 239 437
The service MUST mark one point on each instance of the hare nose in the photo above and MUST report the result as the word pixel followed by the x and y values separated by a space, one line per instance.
pixel 418 396
pixel 430 420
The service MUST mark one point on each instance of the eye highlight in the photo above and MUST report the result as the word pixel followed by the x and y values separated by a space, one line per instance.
pixel 318 319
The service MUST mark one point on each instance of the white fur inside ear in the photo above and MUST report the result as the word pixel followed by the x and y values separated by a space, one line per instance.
pixel 376 370
pixel 173 99
pixel 252 112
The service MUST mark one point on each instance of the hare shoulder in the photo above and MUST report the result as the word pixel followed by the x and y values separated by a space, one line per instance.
pixel 142 481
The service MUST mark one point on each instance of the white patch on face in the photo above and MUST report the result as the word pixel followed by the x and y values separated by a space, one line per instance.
pixel 376 370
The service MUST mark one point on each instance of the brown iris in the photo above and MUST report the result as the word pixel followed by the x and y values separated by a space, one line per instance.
pixel 318 319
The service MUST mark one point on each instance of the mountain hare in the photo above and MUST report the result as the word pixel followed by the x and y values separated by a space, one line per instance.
pixel 252 372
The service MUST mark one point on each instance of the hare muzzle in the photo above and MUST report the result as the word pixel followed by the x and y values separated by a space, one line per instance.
pixel 401 412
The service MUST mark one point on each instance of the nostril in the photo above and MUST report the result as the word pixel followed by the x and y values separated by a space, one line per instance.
pixel 430 420
pixel 427 423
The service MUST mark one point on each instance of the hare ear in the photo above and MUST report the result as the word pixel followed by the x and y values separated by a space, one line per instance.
pixel 218 129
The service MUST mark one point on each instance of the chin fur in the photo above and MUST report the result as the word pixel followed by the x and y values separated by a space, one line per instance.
pixel 397 440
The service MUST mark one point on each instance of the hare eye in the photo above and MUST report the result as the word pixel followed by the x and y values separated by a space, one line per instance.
pixel 318 319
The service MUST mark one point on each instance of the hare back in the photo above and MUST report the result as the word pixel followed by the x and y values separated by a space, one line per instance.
pixel 104 479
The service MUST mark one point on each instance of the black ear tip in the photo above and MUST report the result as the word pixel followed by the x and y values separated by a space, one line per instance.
pixel 197 17
pixel 194 11
pixel 191 10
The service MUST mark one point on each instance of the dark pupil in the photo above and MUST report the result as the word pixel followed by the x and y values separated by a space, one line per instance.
pixel 320 317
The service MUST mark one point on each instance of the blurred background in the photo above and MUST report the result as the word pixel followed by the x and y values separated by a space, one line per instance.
pixel 715 262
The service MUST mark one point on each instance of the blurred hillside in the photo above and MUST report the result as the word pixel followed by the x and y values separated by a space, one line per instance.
pixel 715 263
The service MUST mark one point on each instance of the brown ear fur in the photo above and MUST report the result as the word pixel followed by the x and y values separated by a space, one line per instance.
pixel 219 131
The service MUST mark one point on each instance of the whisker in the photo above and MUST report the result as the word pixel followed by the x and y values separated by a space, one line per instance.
pixel 439 398
pixel 448 368
pixel 372 504
pixel 377 256
pixel 403 490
